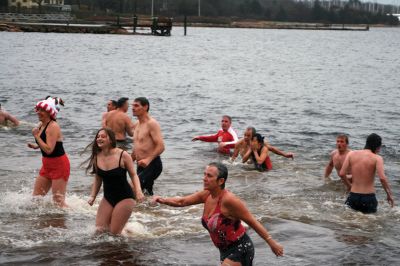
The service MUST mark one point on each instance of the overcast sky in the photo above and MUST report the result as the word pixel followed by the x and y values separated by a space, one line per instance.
pixel 389 2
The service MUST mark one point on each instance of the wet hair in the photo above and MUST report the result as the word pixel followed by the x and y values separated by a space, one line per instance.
pixel 122 101
pixel 92 161
pixel 374 141
pixel 143 102
pixel 253 131
pixel 227 116
pixel 260 139
pixel 114 103
pixel 343 136
pixel 222 172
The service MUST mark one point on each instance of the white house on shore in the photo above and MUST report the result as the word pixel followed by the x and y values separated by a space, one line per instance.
pixel 34 3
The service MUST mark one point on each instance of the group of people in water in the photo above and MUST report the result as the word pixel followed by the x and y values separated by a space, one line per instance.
pixel 223 212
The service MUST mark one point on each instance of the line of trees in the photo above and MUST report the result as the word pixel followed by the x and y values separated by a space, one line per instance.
pixel 277 10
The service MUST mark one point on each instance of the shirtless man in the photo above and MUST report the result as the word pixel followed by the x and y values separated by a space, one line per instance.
pixel 120 122
pixel 244 144
pixel 226 136
pixel 363 165
pixel 338 156
pixel 111 105
pixel 148 145
pixel 4 117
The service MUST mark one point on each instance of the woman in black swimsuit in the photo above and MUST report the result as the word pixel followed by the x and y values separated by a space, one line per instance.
pixel 110 164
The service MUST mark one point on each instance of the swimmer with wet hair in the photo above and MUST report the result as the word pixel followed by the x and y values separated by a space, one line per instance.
pixel 222 217
pixel 120 123
pixel 244 145
pixel 338 156
pixel 363 165
pixel 259 154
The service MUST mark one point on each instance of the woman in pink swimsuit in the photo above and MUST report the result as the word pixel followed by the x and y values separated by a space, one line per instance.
pixel 222 217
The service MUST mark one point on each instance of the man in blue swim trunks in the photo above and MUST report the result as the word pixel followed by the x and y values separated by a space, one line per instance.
pixel 363 165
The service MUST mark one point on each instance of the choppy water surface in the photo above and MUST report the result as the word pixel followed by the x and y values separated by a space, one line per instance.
pixel 300 88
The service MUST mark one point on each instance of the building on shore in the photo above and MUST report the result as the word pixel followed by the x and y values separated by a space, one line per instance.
pixel 35 4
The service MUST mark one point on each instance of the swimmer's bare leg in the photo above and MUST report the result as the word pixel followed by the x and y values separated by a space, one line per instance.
pixel 42 186
pixel 59 188
pixel 120 215
pixel 103 217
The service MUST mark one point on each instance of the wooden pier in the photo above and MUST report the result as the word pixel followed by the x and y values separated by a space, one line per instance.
pixel 144 26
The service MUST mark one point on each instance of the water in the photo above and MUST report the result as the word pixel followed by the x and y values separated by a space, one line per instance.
pixel 300 88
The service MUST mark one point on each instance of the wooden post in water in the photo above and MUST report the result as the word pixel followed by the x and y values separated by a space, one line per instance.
pixel 135 20
pixel 184 24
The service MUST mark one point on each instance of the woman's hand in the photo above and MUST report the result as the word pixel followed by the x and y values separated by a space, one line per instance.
pixel 139 195
pixel 35 132
pixel 32 146
pixel 275 247
pixel 91 200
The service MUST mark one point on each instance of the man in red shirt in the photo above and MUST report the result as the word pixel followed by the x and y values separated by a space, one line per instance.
pixel 226 136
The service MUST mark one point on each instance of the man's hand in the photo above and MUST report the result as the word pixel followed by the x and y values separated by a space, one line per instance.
pixel 221 145
pixel 144 162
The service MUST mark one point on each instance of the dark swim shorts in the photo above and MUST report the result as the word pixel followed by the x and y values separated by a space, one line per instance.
pixel 148 174
pixel 365 203
pixel 241 251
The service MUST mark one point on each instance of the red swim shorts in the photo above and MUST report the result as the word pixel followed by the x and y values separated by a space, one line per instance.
pixel 55 167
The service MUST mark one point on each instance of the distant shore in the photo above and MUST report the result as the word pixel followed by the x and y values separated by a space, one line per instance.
pixel 108 25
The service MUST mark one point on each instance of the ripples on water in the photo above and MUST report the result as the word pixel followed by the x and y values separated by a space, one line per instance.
pixel 300 88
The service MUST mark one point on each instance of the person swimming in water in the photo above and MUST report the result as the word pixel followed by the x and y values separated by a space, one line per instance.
pixel 55 169
pixel 5 117
pixel 363 165
pixel 120 123
pixel 223 214
pixel 226 136
pixel 244 145
pixel 259 154
pixel 110 164
pixel 148 145
pixel 111 105
pixel 338 156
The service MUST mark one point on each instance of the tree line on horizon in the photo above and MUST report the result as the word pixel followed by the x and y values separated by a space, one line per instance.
pixel 276 10
pixel 272 10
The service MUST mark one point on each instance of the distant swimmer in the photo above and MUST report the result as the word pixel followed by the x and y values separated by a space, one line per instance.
pixel 226 136
pixel 148 145
pixel 5 117
pixel 244 144
pixel 259 154
pixel 55 169
pixel 120 123
pixel 111 105
pixel 222 217
pixel 110 165
pixel 338 156
pixel 363 165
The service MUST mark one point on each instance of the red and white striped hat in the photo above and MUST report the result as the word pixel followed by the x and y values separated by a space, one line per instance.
pixel 50 105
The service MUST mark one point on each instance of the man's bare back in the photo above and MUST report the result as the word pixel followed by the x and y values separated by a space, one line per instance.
pixel 363 165
pixel 120 123
pixel 5 117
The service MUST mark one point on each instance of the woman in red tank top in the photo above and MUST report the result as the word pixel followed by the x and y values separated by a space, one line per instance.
pixel 222 217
